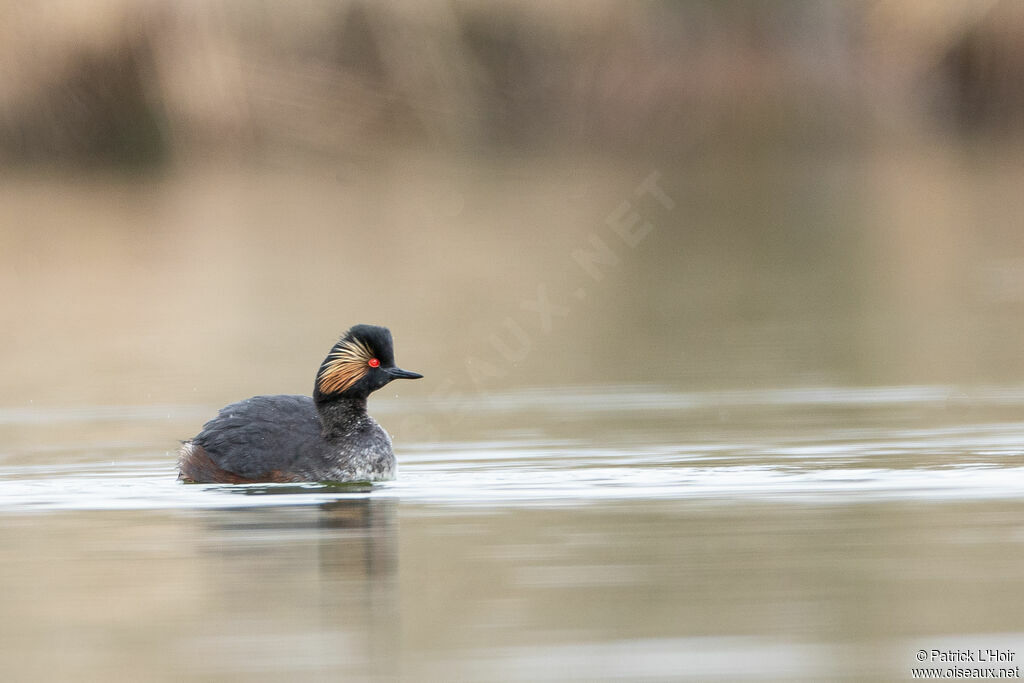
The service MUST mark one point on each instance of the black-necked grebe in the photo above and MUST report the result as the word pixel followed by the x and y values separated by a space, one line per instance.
pixel 328 437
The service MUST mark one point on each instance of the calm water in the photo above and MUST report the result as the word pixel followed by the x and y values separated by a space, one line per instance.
pixel 781 438
pixel 630 532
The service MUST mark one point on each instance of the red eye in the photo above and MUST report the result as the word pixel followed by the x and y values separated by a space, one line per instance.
pixel 373 363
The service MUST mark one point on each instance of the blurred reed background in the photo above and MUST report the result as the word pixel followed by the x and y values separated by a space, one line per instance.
pixel 196 198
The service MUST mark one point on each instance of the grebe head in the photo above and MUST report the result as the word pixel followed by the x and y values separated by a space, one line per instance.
pixel 361 362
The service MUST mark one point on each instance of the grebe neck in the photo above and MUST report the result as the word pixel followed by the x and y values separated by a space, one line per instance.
pixel 338 416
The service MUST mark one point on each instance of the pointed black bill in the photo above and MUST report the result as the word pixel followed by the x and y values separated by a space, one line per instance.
pixel 399 373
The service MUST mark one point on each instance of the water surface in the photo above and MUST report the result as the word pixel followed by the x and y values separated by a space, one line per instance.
pixel 780 438
pixel 585 533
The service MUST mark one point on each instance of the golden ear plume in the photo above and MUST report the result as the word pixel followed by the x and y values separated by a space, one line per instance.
pixel 345 366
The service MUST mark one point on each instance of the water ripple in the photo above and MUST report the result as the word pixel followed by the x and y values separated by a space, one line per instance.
pixel 821 457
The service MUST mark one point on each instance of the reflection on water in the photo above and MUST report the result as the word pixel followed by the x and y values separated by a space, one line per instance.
pixel 640 533
pixel 299 589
